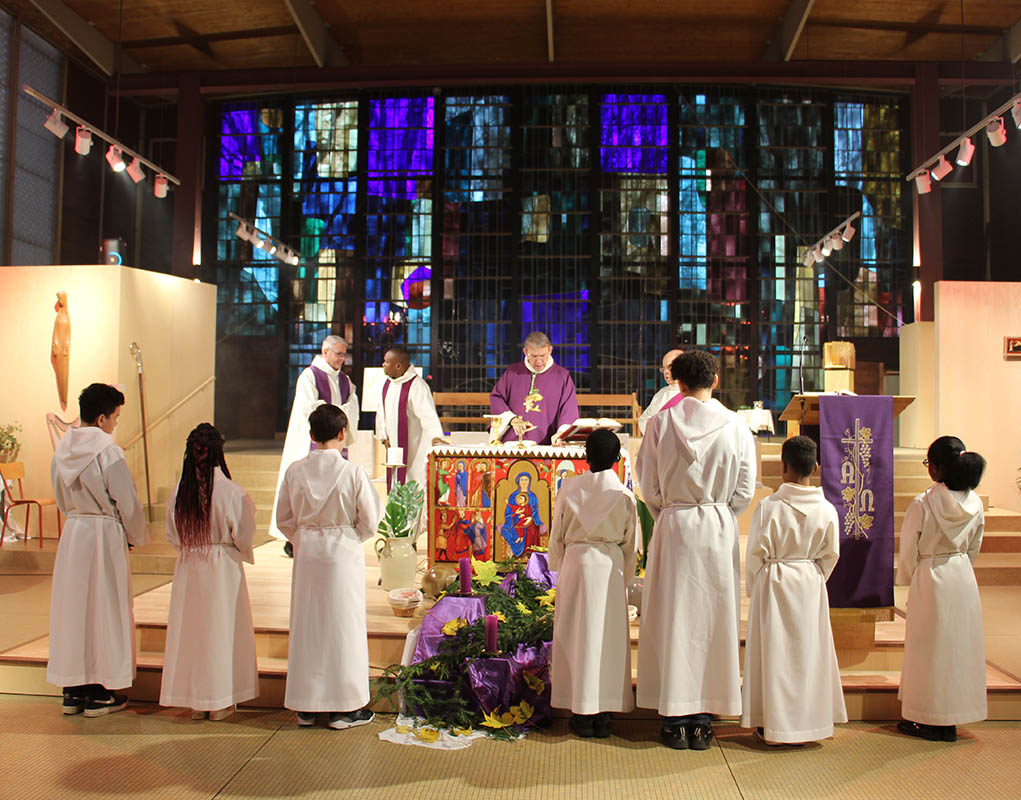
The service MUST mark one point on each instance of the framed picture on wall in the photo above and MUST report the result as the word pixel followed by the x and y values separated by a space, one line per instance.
pixel 1012 346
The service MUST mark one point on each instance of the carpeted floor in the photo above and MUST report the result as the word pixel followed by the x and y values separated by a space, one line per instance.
pixel 153 753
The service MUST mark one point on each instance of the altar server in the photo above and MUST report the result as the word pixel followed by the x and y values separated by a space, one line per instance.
pixel 537 391
pixel 943 679
pixel 592 546
pixel 320 382
pixel 696 468
pixel 92 629
pixel 407 417
pixel 792 691
pixel 668 392
pixel 326 508
pixel 209 662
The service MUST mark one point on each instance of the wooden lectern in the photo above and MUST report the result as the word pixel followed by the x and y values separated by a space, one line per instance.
pixel 803 409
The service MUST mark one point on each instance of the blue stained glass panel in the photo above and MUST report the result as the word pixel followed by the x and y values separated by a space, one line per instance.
pixel 633 133
pixel 400 149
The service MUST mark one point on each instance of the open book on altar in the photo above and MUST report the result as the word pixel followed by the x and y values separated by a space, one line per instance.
pixel 579 430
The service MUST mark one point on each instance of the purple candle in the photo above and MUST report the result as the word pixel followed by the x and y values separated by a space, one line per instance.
pixel 465 568
pixel 491 622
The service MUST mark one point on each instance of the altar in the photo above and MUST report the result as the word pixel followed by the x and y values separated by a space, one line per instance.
pixel 495 502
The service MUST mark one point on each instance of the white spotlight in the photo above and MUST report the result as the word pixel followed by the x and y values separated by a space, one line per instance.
pixel 848 233
pixel 113 155
pixel 242 232
pixel 965 152
pixel 135 170
pixel 922 182
pixel 827 247
pixel 1015 112
pixel 270 246
pixel 294 260
pixel 818 255
pixel 83 141
pixel 55 125
pixel 809 258
pixel 942 169
pixel 997 135
pixel 159 187
pixel 836 242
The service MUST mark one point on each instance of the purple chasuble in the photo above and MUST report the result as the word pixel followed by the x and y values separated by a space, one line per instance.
pixel 323 389
pixel 402 431
pixel 556 404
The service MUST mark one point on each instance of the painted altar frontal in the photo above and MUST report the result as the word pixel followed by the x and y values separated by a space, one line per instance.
pixel 495 502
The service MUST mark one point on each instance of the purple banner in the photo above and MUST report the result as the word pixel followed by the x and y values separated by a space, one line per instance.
pixel 856 454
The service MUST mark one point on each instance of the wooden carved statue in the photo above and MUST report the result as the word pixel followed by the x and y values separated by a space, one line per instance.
pixel 60 351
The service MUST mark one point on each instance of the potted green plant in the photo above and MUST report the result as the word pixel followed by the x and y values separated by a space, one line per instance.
pixel 10 445
pixel 395 549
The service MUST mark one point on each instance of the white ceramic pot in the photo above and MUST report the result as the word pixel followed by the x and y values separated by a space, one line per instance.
pixel 398 563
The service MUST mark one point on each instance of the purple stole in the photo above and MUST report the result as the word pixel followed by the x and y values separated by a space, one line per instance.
pixel 323 389
pixel 402 432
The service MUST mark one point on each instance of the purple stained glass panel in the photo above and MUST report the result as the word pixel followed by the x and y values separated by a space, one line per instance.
pixel 239 142
pixel 400 152
pixel 633 133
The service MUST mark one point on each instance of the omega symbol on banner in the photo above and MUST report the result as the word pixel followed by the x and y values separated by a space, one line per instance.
pixel 856 478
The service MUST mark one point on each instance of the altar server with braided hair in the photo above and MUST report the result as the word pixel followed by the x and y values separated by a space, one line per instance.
pixel 209 664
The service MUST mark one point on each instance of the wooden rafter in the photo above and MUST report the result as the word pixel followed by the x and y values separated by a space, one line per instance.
pixel 105 53
pixel 320 42
pixel 785 39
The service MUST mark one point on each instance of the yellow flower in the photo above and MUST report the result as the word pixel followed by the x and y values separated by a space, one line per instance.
pixel 427 734
pixel 500 616
pixel 451 627
pixel 533 682
pixel 403 729
pixel 522 713
pixel 485 572
pixel 462 731
pixel 524 609
pixel 549 598
pixel 494 721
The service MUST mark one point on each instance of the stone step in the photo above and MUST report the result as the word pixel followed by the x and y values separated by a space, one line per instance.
pixel 253 461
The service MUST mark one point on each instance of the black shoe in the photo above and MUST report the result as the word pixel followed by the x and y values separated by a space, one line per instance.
pixel 948 733
pixel 288 549
pixel 106 705
pixel 700 735
pixel 583 725
pixel 675 736
pixel 350 719
pixel 602 725
pixel 306 720
pixel 73 703
pixel 930 733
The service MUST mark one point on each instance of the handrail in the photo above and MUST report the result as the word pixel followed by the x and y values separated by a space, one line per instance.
pixel 166 414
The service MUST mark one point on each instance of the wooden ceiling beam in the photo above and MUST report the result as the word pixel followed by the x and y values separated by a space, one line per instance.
pixel 103 52
pixel 318 39
pixel 917 28
pixel 785 39
pixel 224 36
pixel 1008 48
pixel 549 31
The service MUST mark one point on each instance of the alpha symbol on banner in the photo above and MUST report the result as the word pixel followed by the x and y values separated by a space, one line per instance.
pixel 856 478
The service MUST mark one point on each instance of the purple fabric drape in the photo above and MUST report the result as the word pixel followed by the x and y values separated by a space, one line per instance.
pixel 856 453
pixel 431 633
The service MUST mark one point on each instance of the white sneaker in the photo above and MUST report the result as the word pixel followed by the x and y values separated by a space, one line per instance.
pixel 222 713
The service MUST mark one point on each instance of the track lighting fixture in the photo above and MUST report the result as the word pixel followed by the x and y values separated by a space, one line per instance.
pixel 937 167
pixel 827 247
pixel 246 231
pixel 55 125
pixel 83 141
pixel 834 240
pixel 817 254
pixel 115 159
pixel 996 132
pixel 848 232
pixel 966 151
pixel 135 170
pixel 116 152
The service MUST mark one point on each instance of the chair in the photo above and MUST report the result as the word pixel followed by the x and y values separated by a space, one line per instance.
pixel 15 471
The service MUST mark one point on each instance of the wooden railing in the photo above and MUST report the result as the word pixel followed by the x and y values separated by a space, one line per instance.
pixel 589 405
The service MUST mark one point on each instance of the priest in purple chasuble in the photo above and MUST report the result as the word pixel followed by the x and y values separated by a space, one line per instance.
pixel 320 382
pixel 537 390
pixel 406 417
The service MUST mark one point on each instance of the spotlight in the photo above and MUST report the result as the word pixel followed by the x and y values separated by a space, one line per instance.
pixel 255 239
pixel 113 155
pixel 818 255
pixel 809 258
pixel 270 246
pixel 922 182
pixel 83 141
pixel 1015 112
pixel 848 233
pixel 942 169
pixel 997 135
pixel 242 232
pixel 827 247
pixel 135 170
pixel 966 151
pixel 836 242
pixel 55 125
pixel 294 260
pixel 160 187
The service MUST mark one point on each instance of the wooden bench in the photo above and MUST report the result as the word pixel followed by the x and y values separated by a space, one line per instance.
pixel 448 404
